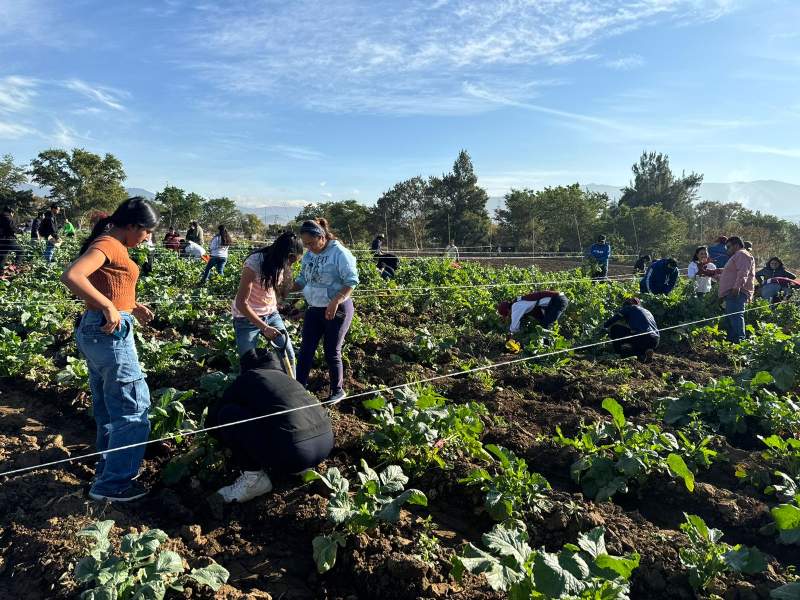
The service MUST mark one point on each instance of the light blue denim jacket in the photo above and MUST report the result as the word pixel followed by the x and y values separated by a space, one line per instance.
pixel 323 275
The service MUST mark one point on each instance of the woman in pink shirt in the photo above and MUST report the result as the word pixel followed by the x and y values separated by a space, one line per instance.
pixel 266 275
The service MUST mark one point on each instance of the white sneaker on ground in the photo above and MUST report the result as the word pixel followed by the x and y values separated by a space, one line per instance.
pixel 249 485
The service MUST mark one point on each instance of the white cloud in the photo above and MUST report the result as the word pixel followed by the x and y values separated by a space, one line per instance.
pixel 626 63
pixel 297 152
pixel 106 96
pixel 407 58
pixel 771 150
pixel 16 93
pixel 326 195
pixel 13 131
pixel 323 183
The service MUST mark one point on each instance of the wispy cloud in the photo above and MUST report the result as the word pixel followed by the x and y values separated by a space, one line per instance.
pixel 297 152
pixel 106 96
pixel 13 131
pixel 410 65
pixel 16 93
pixel 625 63
pixel 771 150
pixel 326 194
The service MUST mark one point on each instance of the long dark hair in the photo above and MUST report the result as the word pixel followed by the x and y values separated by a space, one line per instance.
pixel 697 250
pixel 134 211
pixel 276 255
pixel 225 237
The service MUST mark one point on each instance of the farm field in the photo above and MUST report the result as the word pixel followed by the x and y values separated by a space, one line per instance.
pixel 629 461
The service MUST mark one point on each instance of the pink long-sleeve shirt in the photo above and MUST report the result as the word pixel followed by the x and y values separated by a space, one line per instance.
pixel 739 272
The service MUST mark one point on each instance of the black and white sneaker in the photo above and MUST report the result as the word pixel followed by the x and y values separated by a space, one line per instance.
pixel 337 397
pixel 133 492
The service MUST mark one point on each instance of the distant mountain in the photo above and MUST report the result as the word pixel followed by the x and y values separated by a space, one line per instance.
pixel 773 197
pixel 43 191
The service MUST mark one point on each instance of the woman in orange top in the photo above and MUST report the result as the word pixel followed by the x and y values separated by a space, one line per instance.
pixel 105 277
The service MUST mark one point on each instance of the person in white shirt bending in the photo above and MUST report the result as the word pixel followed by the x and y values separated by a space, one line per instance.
pixel 191 249
pixel 701 269
pixel 219 253
pixel 545 307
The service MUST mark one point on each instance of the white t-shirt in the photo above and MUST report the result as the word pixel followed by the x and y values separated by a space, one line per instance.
pixel 703 283
pixel 194 250
pixel 520 308
pixel 217 249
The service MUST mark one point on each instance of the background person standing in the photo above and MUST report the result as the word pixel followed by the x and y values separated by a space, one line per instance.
pixel 195 233
pixel 600 252
pixel 736 285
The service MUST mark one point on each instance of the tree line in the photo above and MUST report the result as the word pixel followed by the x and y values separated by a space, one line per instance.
pixel 658 212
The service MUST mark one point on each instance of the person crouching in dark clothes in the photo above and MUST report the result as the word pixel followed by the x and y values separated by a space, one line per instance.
pixel 633 319
pixel 283 444
pixel 387 264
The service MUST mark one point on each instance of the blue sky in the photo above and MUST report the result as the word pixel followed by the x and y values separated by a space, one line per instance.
pixel 273 102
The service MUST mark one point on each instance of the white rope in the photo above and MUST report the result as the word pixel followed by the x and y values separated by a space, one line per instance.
pixel 369 393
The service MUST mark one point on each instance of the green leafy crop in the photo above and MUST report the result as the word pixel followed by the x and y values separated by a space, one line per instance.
pixel 139 570
pixel 616 453
pixel 377 499
pixel 585 570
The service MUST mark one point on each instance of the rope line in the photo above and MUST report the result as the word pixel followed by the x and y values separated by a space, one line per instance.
pixel 368 393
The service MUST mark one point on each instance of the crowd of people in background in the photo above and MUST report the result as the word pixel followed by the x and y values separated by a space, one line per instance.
pixel 104 276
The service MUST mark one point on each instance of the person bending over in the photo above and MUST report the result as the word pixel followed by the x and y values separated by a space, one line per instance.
pixel 545 306
pixel 660 278
pixel 630 320
pixel 279 445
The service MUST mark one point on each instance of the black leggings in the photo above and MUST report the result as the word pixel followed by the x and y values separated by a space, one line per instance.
pixel 554 309
pixel 258 445
pixel 636 346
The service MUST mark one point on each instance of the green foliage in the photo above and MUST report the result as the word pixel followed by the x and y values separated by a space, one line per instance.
pixel 421 429
pixel 616 453
pixel 140 570
pixel 731 408
pixel 654 184
pixel 776 352
pixel 168 414
pixel 787 521
pixel 512 491
pixel 377 499
pixel 161 357
pixel 706 557
pixel 75 374
pixel 24 356
pixel 585 570
pixel 80 179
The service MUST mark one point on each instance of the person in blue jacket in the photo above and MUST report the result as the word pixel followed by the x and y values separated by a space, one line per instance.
pixel 633 320
pixel 600 252
pixel 718 253
pixel 660 277
pixel 328 275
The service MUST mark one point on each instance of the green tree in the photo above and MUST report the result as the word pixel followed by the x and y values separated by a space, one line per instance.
pixel 649 230
pixel 178 207
pixel 349 219
pixel 252 226
pixel 400 213
pixel 553 219
pixel 654 184
pixel 80 180
pixel 11 175
pixel 456 206
pixel 219 211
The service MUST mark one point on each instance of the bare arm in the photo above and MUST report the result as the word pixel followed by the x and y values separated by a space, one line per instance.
pixel 76 278
pixel 242 295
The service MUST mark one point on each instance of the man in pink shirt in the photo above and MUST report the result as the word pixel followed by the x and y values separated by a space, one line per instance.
pixel 736 285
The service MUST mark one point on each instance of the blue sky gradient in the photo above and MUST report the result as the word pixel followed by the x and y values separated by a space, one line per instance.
pixel 291 102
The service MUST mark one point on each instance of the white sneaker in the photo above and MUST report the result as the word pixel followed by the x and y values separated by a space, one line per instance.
pixel 249 485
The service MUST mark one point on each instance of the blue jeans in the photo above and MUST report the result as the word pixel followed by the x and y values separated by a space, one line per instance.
pixel 735 322
pixel 216 262
pixel 247 334
pixel 120 400
pixel 49 251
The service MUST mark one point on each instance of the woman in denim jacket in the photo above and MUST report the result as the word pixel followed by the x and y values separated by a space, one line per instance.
pixel 328 274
